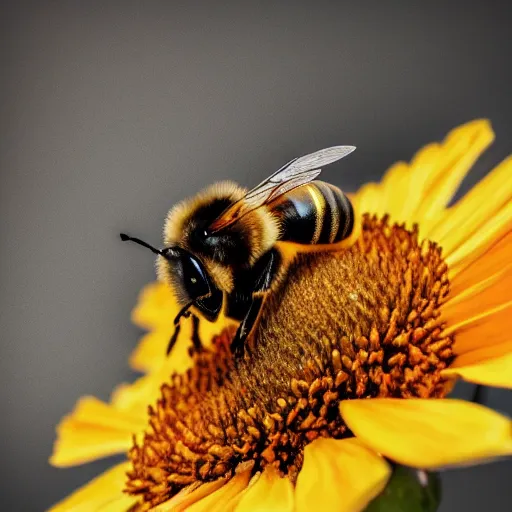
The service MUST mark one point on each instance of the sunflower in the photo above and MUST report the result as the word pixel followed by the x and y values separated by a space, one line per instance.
pixel 427 302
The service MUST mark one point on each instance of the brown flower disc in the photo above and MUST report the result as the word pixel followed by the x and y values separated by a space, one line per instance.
pixel 364 322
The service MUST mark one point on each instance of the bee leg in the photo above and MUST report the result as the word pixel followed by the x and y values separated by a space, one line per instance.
pixel 265 269
pixel 196 340
pixel 246 325
pixel 177 326
pixel 173 339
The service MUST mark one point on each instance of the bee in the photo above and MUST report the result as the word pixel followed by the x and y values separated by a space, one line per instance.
pixel 227 248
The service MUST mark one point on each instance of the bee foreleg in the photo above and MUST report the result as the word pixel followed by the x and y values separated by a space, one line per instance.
pixel 197 344
pixel 196 340
pixel 265 269
pixel 173 339
pixel 246 325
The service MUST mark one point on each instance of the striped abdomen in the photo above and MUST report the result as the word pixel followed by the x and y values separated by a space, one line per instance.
pixel 316 213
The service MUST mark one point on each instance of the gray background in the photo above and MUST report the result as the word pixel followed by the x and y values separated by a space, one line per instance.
pixel 112 112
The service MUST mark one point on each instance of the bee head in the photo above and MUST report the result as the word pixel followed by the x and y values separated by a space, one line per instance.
pixel 221 252
pixel 189 278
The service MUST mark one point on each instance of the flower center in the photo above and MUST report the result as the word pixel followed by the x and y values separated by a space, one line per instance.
pixel 364 322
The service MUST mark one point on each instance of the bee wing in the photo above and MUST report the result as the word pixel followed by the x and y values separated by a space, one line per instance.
pixel 295 173
pixel 267 191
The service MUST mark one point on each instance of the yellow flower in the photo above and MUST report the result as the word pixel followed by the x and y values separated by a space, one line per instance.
pixel 437 317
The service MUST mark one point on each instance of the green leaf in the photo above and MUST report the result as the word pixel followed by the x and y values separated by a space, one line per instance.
pixel 405 493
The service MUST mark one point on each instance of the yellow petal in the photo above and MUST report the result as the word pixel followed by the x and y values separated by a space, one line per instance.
pixel 369 198
pixel 339 476
pixel 480 204
pixel 155 307
pixel 150 354
pixel 480 304
pixel 105 492
pixel 270 493
pixel 429 433
pixel 476 245
pixel 224 499
pixel 495 372
pixel 420 191
pixel 482 354
pixel 122 503
pixel 488 270
pixel 93 430
pixel 403 184
pixel 151 349
pixel 482 336
pixel 459 151
pixel 189 496
pixel 396 186
pixel 483 307
pixel 146 390
pixel 136 397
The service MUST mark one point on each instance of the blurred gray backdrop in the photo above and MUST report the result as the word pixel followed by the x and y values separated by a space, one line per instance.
pixel 113 111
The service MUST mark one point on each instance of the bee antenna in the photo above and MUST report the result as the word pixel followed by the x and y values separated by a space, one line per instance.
pixel 126 238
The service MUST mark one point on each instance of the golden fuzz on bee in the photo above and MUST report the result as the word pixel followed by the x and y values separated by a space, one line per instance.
pixel 260 226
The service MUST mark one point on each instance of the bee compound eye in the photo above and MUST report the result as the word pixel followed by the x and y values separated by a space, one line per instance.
pixel 194 277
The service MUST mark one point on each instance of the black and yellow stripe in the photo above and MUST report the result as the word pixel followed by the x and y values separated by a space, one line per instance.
pixel 316 213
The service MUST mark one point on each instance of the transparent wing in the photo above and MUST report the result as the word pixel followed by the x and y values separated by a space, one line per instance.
pixel 295 173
